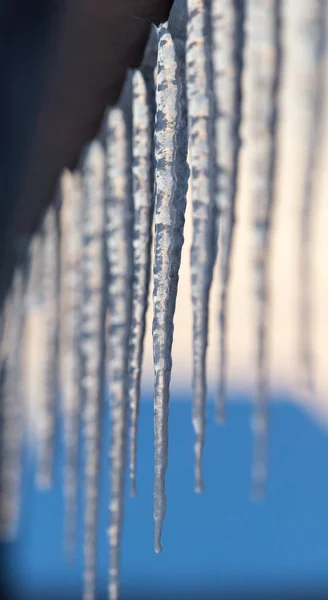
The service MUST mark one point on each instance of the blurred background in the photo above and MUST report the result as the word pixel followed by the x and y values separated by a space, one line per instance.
pixel 219 543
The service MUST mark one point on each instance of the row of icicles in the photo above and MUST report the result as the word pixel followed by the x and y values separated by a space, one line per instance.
pixel 89 266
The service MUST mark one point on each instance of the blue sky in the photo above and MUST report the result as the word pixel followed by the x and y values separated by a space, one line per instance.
pixel 217 541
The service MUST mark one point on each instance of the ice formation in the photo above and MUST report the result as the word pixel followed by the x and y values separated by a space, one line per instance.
pixel 70 363
pixel 312 43
pixel 228 48
pixel 50 300
pixel 119 231
pixel 171 177
pixel 89 267
pixel 143 106
pixel 11 443
pixel 92 345
pixel 203 249
pixel 263 28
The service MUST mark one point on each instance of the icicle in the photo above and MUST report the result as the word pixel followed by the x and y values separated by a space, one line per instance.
pixel 203 249
pixel 92 346
pixel 8 513
pixel 11 443
pixel 50 279
pixel 171 178
pixel 35 292
pixel 264 55
pixel 71 294
pixel 119 231
pixel 143 193
pixel 228 43
pixel 313 41
pixel 36 304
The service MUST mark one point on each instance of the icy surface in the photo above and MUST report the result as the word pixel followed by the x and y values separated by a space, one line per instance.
pixel 143 195
pixel 92 345
pixel 136 173
pixel 203 250
pixel 49 360
pixel 312 40
pixel 11 442
pixel 119 232
pixel 171 179
pixel 227 51
pixel 263 28
pixel 71 302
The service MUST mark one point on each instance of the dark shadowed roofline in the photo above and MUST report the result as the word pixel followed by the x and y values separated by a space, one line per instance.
pixel 63 64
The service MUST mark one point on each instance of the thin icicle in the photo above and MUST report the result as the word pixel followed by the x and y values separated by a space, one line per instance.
pixel 35 273
pixel 36 304
pixel 92 346
pixel 264 56
pixel 313 40
pixel 171 178
pixel 50 314
pixel 11 443
pixel 228 44
pixel 143 193
pixel 8 513
pixel 119 232
pixel 203 249
pixel 71 301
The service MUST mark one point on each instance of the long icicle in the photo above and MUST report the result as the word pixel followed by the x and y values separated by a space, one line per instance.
pixel 264 55
pixel 171 178
pixel 36 305
pixel 143 192
pixel 11 406
pixel 228 46
pixel 35 273
pixel 92 347
pixel 7 516
pixel 203 249
pixel 119 231
pixel 50 314
pixel 312 102
pixel 71 301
